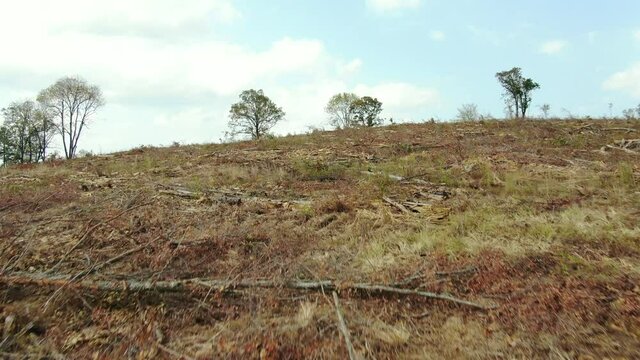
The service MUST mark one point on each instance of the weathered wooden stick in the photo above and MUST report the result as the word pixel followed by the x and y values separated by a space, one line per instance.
pixel 343 328
pixel 182 285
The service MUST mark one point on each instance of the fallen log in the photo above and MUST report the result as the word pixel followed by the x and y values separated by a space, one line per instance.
pixel 68 281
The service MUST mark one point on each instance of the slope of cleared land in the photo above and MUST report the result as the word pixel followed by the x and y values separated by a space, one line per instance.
pixel 235 250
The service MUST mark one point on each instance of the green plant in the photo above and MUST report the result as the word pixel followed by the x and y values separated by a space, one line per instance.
pixel 319 170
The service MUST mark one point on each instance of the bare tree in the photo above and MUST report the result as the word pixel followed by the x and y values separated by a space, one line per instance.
pixel 254 115
pixel 468 112
pixel 72 102
pixel 629 114
pixel 546 109
pixel 509 110
pixel 339 110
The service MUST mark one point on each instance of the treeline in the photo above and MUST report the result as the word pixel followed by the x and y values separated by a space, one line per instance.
pixel 255 114
pixel 63 109
pixel 66 107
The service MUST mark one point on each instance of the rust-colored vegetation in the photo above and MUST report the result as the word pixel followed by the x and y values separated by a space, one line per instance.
pixel 535 221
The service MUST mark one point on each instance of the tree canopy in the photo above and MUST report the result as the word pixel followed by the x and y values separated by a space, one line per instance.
pixel 254 115
pixel 517 90
pixel 25 134
pixel 339 109
pixel 72 102
pixel 366 111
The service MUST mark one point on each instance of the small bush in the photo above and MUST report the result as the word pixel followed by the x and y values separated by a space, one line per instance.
pixel 625 174
pixel 318 170
pixel 334 205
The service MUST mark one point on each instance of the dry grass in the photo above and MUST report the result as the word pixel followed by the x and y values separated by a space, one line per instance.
pixel 530 216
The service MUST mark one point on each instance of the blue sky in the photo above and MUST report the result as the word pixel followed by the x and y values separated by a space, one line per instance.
pixel 170 69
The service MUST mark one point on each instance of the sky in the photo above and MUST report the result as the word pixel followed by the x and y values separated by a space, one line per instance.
pixel 170 69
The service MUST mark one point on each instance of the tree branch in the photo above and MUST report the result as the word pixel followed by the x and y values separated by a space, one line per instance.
pixel 68 281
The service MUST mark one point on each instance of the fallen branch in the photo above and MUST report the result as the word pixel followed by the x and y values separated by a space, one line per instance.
pixel 628 130
pixel 117 258
pixel 186 194
pixel 222 285
pixel 343 328
pixel 622 149
pixel 90 230
pixel 224 197
pixel 397 205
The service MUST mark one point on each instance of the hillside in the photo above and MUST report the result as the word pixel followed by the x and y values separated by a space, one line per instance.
pixel 521 239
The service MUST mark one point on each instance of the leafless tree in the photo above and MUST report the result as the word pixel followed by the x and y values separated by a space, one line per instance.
pixel 72 102
pixel 546 109
pixel 468 112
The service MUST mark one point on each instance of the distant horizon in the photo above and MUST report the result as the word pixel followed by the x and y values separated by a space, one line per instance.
pixel 221 141
pixel 170 71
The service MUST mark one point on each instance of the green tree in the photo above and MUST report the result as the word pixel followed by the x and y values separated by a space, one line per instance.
pixel 6 145
pixel 518 90
pixel 366 111
pixel 254 115
pixel 71 102
pixel 27 132
pixel 339 109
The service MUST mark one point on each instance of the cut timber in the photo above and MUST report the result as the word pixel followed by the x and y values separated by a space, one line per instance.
pixel 183 285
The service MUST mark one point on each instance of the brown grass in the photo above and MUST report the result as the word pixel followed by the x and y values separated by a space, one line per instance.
pixel 528 215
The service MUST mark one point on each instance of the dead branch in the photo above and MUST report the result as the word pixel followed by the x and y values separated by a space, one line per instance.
pixel 343 328
pixel 415 276
pixel 621 149
pixel 223 285
pixel 90 230
pixel 117 258
pixel 628 130
pixel 181 193
pixel 397 205
pixel 225 197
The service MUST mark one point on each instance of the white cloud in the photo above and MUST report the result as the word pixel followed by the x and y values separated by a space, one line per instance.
pixel 162 66
pixel 385 6
pixel 402 99
pixel 627 81
pixel 437 35
pixel 352 66
pixel 115 16
pixel 553 47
